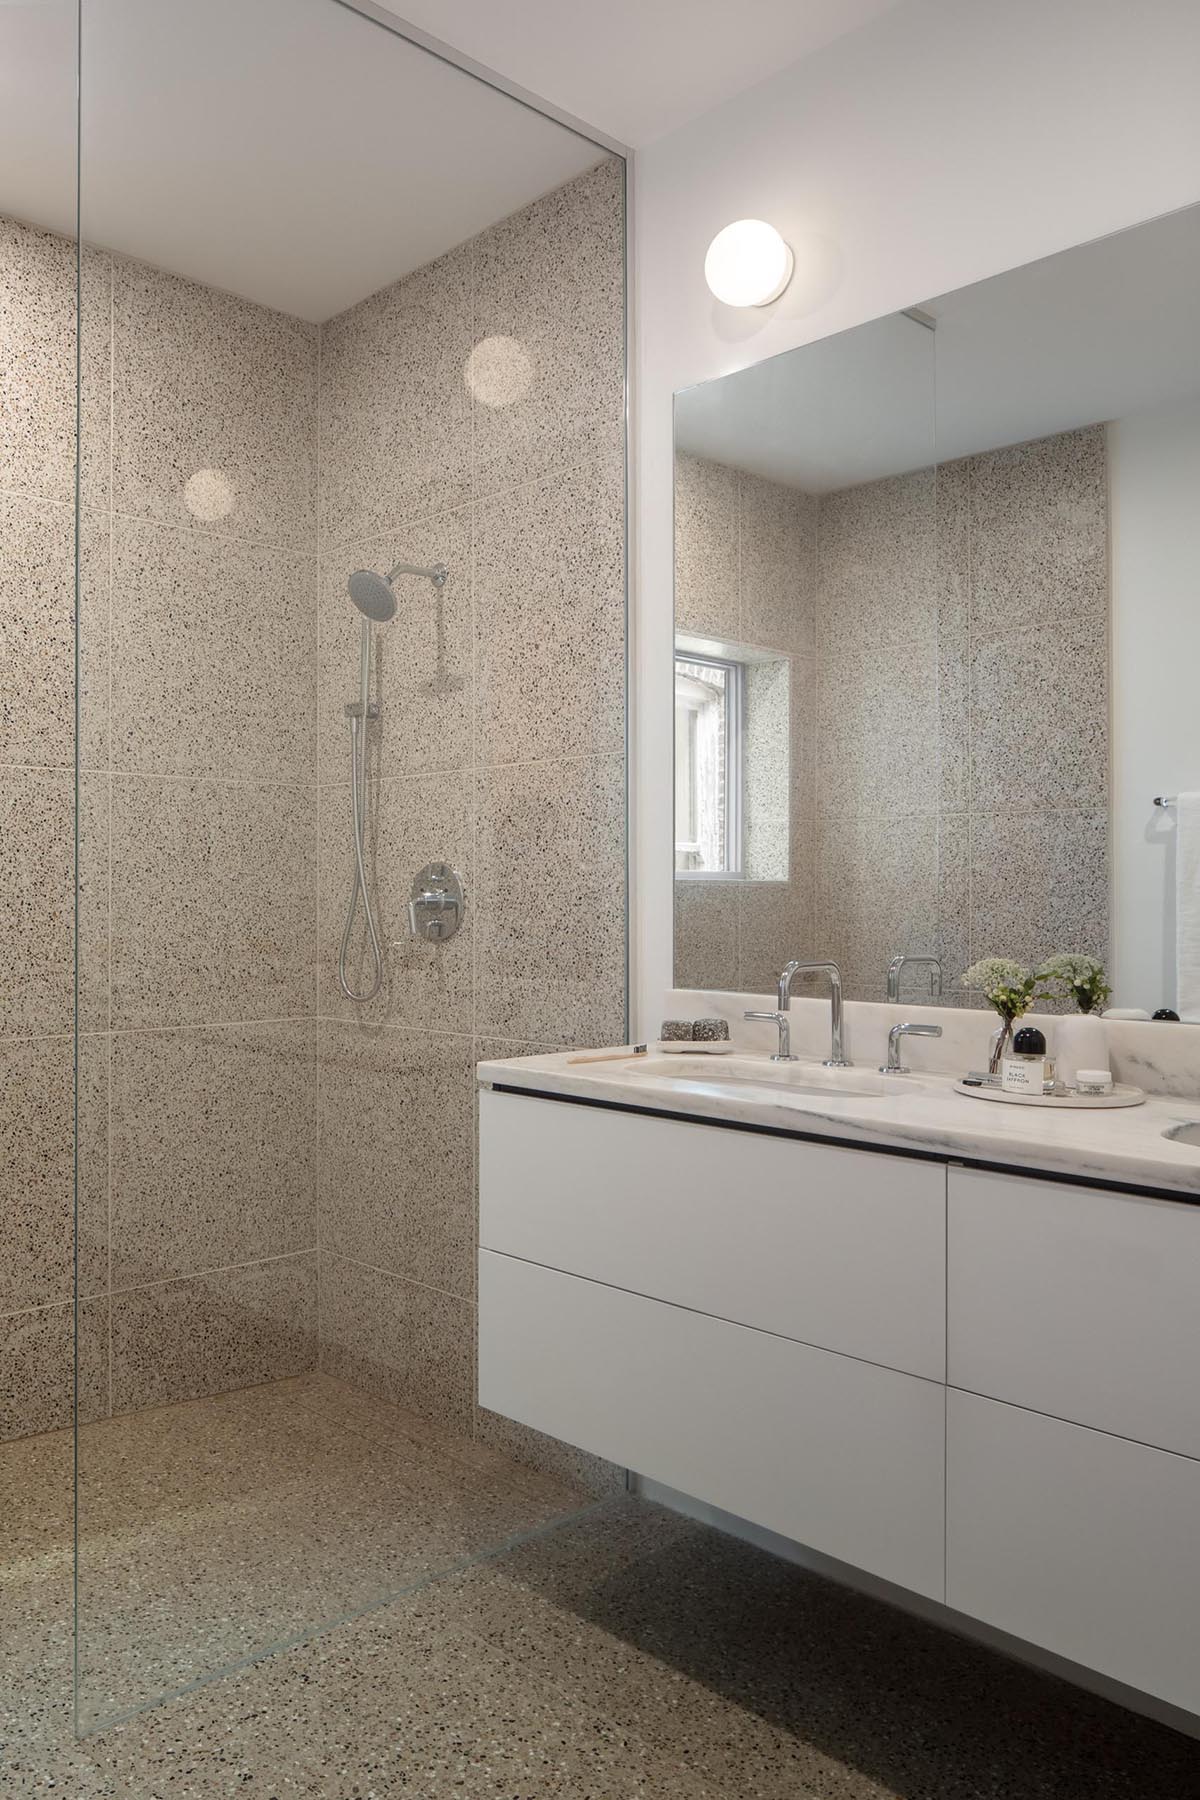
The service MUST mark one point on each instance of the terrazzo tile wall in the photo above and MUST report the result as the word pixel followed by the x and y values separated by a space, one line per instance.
pixel 197 1093
pixel 470 414
pixel 241 1123
pixel 959 621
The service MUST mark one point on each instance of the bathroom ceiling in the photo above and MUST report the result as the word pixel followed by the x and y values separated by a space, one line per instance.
pixel 638 68
pixel 1103 331
pixel 287 150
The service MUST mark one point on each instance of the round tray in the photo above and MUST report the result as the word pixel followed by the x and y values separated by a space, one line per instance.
pixel 1120 1096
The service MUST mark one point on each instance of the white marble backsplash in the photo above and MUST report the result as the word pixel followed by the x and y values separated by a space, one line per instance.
pixel 1160 1056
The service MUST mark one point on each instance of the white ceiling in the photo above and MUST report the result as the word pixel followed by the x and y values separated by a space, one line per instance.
pixel 287 150
pixel 636 69
pixel 1094 334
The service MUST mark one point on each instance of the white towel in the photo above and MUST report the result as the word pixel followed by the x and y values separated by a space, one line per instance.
pixel 1187 905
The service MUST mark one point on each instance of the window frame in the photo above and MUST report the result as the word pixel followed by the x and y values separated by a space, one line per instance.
pixel 735 765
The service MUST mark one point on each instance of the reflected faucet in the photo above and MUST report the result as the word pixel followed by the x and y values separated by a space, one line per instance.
pixel 898 963
pixel 836 1058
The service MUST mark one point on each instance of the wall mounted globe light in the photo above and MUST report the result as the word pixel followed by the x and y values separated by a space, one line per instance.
pixel 748 264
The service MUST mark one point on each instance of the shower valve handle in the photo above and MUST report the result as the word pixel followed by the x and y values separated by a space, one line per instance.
pixel 435 903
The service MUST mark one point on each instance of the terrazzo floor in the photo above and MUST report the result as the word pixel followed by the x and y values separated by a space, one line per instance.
pixel 601 1650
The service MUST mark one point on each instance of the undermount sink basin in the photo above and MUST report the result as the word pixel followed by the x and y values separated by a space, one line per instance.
pixel 1187 1133
pixel 737 1074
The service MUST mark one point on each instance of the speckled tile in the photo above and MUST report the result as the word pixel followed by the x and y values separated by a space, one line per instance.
pixel 37 902
pixel 1039 719
pixel 550 923
pixel 1039 533
pixel 395 409
pixel 877 888
pixel 877 746
pixel 209 1333
pixel 214 1148
pixel 877 565
pixel 775 924
pixel 214 410
pixel 37 634
pixel 37 1351
pixel 1039 884
pixel 396 1125
pixel 550 617
pixel 547 370
pixel 707 565
pixel 778 567
pixel 37 1170
pixel 591 1474
pixel 213 655
pixel 954 903
pixel 767 774
pixel 398 1340
pixel 952 515
pixel 627 1652
pixel 214 901
pixel 409 823
pixel 707 941
pixel 38 359
pixel 422 673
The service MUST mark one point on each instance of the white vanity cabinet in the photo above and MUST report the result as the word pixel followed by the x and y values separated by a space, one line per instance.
pixel 1073 1423
pixel 983 1387
pixel 753 1320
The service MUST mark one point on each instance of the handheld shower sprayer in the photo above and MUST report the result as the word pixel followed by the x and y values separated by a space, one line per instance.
pixel 374 597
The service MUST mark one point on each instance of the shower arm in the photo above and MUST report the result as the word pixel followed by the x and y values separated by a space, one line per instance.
pixel 437 573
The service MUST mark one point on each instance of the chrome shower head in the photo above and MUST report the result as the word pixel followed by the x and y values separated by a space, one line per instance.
pixel 372 595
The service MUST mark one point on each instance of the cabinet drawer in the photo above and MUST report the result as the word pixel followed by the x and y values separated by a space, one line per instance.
pixel 1077 1302
pixel 835 1453
pixel 840 1248
pixel 1080 1542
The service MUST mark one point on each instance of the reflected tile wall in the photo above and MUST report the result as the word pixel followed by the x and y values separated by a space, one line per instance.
pixel 745 573
pixel 954 785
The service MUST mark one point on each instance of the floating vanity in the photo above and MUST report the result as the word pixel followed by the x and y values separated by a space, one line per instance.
pixel 953 1346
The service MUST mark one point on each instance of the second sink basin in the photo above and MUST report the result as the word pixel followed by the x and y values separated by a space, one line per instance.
pixel 1186 1133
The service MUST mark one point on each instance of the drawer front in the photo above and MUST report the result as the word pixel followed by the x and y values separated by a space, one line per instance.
pixel 1080 1542
pixel 837 1454
pixel 840 1248
pixel 1077 1302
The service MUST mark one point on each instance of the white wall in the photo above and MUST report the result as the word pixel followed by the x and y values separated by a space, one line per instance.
pixel 1154 483
pixel 947 141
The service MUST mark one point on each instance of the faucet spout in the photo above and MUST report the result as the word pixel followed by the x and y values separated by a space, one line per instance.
pixel 837 1058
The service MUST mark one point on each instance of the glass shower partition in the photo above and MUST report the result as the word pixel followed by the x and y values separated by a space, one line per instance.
pixel 343 307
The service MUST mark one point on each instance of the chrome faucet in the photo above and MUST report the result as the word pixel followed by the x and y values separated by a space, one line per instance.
pixel 836 1058
pixel 893 1065
pixel 898 963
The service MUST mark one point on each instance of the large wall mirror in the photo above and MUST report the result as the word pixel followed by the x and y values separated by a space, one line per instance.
pixel 937 635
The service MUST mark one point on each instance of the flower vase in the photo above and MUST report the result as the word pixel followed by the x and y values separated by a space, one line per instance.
pixel 1001 1041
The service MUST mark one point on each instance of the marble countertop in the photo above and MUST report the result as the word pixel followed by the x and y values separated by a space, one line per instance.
pixel 911 1112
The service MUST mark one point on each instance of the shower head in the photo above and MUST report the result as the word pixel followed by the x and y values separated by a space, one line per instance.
pixel 372 595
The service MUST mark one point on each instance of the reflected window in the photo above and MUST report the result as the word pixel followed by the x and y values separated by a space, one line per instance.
pixel 709 696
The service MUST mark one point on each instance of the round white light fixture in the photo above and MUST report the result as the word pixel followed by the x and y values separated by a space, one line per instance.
pixel 748 264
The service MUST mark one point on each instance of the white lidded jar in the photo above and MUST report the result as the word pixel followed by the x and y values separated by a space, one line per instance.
pixel 1080 1042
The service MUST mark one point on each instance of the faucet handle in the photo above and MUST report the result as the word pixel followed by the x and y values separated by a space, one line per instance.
pixel 893 1065
pixel 784 1026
